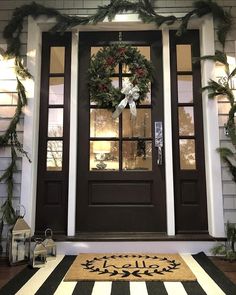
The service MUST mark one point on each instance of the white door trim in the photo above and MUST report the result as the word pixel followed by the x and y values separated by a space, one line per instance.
pixel 31 125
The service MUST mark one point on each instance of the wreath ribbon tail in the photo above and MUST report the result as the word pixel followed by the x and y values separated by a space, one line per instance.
pixel 133 110
pixel 120 108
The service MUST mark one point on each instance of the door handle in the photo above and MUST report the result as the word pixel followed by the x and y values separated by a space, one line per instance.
pixel 159 141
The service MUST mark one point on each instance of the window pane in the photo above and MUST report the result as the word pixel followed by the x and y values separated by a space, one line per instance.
pixel 184 58
pixel 115 82
pixel 55 122
pixel 104 155
pixel 102 124
pixel 187 154
pixel 54 155
pixel 137 155
pixel 57 60
pixel 56 90
pixel 139 126
pixel 186 121
pixel 144 50
pixel 185 88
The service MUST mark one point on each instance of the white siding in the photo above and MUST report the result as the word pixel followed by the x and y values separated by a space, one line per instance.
pixel 86 7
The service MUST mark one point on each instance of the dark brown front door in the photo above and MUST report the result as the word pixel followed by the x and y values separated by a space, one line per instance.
pixel 120 185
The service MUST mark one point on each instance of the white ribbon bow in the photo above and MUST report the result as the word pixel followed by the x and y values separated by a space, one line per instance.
pixel 131 93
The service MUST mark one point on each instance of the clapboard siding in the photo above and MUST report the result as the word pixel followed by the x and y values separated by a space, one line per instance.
pixel 88 7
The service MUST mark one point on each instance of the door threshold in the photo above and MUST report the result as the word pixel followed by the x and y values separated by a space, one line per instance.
pixel 134 236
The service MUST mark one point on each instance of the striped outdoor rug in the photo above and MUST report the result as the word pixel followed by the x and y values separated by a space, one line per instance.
pixel 49 280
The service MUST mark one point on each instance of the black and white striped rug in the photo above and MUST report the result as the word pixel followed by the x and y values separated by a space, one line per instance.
pixel 49 280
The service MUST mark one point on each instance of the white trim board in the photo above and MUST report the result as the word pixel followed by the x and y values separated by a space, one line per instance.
pixel 31 125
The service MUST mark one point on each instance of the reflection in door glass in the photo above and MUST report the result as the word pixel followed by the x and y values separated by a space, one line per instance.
pixel 140 126
pixel 57 60
pixel 137 155
pixel 102 124
pixel 185 88
pixel 186 121
pixel 56 90
pixel 187 154
pixel 104 155
pixel 54 155
pixel 55 122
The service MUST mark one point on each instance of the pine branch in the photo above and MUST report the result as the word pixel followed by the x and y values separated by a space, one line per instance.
pixel 225 155
pixel 8 213
pixel 216 89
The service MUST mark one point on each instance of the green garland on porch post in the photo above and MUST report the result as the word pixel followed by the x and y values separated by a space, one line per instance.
pixel 147 14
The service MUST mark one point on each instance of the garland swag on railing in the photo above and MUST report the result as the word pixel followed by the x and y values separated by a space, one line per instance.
pixel 146 13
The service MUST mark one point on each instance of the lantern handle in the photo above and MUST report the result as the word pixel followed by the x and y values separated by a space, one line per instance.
pixel 50 234
pixel 38 240
pixel 18 209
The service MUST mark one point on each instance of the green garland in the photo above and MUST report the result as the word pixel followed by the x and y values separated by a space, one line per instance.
pixel 219 88
pixel 102 67
pixel 147 14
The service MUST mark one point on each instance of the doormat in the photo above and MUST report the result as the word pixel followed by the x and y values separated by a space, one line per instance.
pixel 129 267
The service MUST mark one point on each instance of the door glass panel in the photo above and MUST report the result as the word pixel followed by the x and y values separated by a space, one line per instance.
pixel 102 124
pixel 104 155
pixel 115 82
pixel 185 88
pixel 184 57
pixel 186 121
pixel 57 60
pixel 187 154
pixel 144 50
pixel 54 155
pixel 139 126
pixel 55 122
pixel 56 90
pixel 137 155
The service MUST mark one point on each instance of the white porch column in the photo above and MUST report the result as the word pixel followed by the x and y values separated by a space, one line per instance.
pixel 211 137
pixel 170 206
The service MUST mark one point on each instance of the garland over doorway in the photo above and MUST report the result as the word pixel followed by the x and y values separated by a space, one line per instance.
pixel 12 33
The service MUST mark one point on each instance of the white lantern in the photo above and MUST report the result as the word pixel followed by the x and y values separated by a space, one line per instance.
pixel 19 242
pixel 50 245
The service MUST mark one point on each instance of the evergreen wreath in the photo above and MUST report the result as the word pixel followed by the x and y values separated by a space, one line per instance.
pixel 102 68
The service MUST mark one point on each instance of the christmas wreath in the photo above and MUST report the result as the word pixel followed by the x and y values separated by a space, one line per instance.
pixel 134 88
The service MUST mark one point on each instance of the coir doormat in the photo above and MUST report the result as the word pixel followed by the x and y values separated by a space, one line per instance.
pixel 129 267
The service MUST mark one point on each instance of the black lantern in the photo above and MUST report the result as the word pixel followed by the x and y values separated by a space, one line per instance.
pixel 39 257
pixel 19 242
pixel 50 245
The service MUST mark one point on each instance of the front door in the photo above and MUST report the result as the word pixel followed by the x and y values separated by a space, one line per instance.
pixel 121 178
